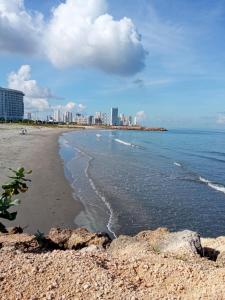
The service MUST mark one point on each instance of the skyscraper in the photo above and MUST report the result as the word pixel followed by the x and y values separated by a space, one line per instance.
pixel 114 117
pixel 11 104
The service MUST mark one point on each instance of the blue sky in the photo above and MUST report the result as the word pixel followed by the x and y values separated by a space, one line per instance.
pixel 175 73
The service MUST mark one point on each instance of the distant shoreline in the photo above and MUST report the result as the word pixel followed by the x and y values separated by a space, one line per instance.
pixel 106 127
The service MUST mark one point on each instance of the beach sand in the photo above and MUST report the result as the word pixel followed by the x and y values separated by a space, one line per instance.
pixel 49 201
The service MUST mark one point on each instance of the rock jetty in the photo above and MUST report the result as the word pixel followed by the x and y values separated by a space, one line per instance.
pixel 78 264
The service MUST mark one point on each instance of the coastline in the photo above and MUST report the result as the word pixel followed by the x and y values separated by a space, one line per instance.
pixel 49 201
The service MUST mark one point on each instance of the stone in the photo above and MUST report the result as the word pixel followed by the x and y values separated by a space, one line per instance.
pixel 78 238
pixel 181 242
pixel 60 236
pixel 128 247
pixel 81 238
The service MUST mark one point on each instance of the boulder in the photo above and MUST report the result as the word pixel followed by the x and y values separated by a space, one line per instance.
pixel 19 241
pixel 180 244
pixel 184 242
pixel 127 247
pixel 60 236
pixel 78 238
pixel 81 238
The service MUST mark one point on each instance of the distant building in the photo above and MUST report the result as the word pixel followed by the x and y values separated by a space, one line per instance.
pixel 101 118
pixel 130 121
pixel 50 119
pixel 29 116
pixel 11 104
pixel 81 119
pixel 114 117
pixel 91 120
pixel 68 118
pixel 57 116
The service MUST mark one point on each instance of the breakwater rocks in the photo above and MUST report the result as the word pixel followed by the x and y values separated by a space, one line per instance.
pixel 78 264
pixel 138 128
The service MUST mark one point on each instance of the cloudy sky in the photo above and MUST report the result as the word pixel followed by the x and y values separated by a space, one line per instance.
pixel 163 60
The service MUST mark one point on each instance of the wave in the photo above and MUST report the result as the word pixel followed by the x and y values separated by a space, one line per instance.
pixel 215 186
pixel 124 143
pixel 102 198
pixel 177 164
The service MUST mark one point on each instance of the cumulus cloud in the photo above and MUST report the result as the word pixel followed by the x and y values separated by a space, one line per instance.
pixel 141 116
pixel 78 33
pixel 20 31
pixel 36 97
pixel 71 106
pixel 82 33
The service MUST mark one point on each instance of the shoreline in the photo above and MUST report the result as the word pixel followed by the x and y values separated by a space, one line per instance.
pixel 49 201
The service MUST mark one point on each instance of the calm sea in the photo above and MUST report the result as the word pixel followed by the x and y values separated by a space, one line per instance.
pixel 129 181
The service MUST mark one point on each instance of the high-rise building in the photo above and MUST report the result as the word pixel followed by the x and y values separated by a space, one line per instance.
pixel 29 116
pixel 68 118
pixel 57 116
pixel 91 120
pixel 11 104
pixel 114 117
pixel 130 121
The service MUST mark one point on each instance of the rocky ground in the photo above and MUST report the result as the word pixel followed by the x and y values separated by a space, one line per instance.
pixel 77 264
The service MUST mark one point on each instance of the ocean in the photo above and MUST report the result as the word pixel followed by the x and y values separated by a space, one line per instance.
pixel 128 181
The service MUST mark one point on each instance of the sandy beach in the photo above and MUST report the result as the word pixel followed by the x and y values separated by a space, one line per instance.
pixel 49 201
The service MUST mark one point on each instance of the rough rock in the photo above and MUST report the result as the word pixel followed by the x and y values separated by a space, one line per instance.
pixel 214 249
pixel 126 247
pixel 60 236
pixel 81 238
pixel 184 243
pixel 17 241
pixel 181 243
pixel 78 238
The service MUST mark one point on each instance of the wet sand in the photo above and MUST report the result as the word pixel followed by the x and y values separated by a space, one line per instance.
pixel 49 201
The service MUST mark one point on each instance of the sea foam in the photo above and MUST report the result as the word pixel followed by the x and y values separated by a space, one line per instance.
pixel 215 186
pixel 124 143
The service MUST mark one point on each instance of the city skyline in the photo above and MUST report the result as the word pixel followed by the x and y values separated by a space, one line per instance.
pixel 169 65
pixel 99 118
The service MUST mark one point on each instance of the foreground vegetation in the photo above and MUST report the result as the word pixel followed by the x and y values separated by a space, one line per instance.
pixel 17 185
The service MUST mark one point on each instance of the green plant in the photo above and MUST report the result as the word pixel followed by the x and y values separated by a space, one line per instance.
pixel 18 184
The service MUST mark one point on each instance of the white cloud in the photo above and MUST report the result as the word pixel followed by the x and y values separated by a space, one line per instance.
pixel 83 34
pixel 141 116
pixel 221 119
pixel 36 97
pixel 78 33
pixel 70 106
pixel 80 107
pixel 20 31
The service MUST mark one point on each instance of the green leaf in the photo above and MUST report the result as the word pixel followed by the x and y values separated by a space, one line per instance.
pixel 8 216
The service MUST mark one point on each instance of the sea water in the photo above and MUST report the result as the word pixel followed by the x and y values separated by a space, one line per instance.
pixel 128 181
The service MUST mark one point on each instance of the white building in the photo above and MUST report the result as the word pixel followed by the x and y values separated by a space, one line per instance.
pixel 57 116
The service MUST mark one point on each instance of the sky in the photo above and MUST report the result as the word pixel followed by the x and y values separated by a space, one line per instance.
pixel 162 60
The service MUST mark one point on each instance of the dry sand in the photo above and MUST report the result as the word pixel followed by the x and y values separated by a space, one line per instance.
pixel 49 201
